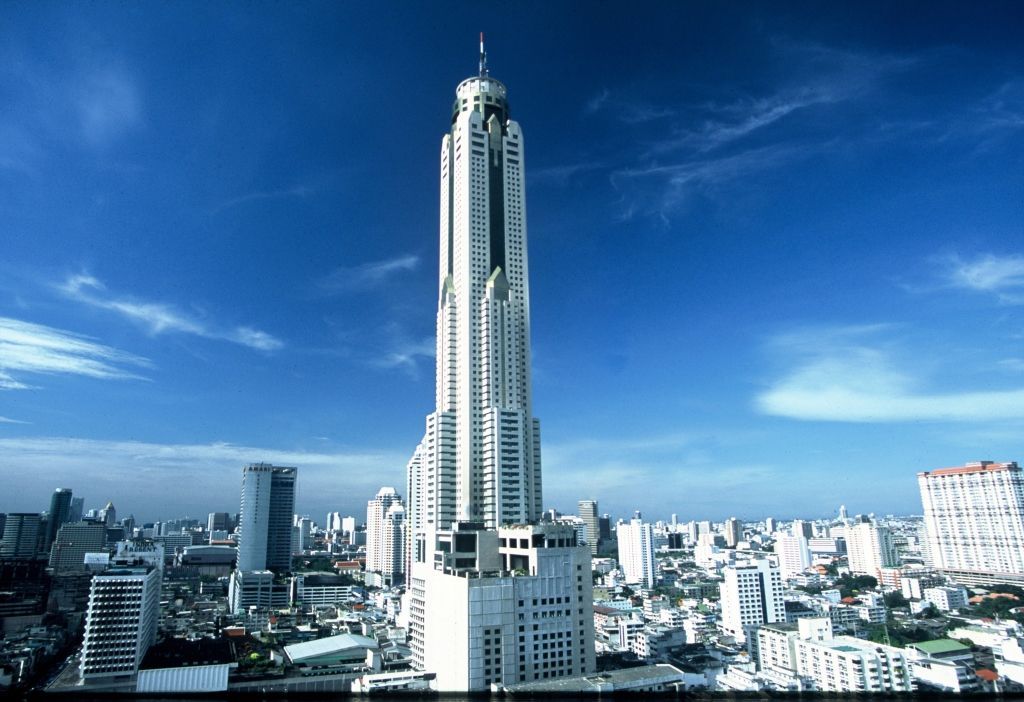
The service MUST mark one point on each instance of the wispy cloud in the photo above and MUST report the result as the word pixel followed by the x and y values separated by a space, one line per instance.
pixel 661 188
pixel 851 374
pixel 131 469
pixel 366 276
pixel 629 111
pixel 561 175
pixel 8 420
pixel 1002 276
pixel 405 354
pixel 34 348
pixel 297 191
pixel 159 318
pixel 108 103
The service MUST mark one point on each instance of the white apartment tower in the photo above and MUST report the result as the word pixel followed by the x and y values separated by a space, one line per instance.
pixel 479 459
pixel 870 548
pixel 636 551
pixel 793 553
pixel 376 512
pixel 974 521
pixel 751 595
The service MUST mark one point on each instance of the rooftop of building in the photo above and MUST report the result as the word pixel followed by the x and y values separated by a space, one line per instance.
pixel 940 646
pixel 592 683
pixel 974 467
pixel 178 653
pixel 327 646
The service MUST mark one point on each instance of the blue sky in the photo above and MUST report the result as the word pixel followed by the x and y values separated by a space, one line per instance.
pixel 777 252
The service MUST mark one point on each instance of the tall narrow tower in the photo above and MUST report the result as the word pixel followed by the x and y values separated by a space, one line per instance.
pixel 479 460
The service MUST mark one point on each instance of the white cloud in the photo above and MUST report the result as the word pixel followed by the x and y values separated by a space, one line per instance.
pixel 405 354
pixel 849 375
pixel 294 191
pixel 108 104
pixel 366 276
pixel 135 474
pixel 159 318
pixel 35 348
pixel 1001 275
pixel 8 420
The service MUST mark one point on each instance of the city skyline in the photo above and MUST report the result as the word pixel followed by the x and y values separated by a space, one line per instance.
pixel 775 260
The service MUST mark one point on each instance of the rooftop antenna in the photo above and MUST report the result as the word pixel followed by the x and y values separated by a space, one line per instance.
pixel 483 57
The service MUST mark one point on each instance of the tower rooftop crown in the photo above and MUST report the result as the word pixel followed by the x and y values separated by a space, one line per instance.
pixel 481 93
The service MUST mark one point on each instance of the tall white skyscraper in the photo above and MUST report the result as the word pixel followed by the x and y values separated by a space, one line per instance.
pixel 265 537
pixel 479 459
pixel 733 529
pixel 265 518
pixel 385 521
pixel 974 521
pixel 870 548
pixel 493 596
pixel 636 551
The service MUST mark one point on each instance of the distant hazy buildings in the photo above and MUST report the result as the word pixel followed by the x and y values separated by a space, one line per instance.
pixel 974 521
pixel 636 551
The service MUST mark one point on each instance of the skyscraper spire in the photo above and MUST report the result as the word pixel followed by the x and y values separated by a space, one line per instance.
pixel 483 57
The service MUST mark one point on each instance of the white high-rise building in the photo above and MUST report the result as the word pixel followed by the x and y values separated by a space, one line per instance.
pixel 265 518
pixel 751 595
pixel 121 620
pixel 492 596
pixel 974 521
pixel 733 529
pixel 870 548
pixel 793 553
pixel 809 650
pixel 511 606
pixel 588 513
pixel 636 551
pixel 479 459
pixel 265 538
pixel 376 511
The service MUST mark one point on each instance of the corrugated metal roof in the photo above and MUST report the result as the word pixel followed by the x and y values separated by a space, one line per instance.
pixel 328 645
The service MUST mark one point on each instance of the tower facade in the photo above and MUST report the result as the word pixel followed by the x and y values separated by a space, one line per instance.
pixel 385 519
pixel 636 551
pixel 479 459
pixel 265 518
pixel 974 521
pixel 588 513
pixel 60 512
